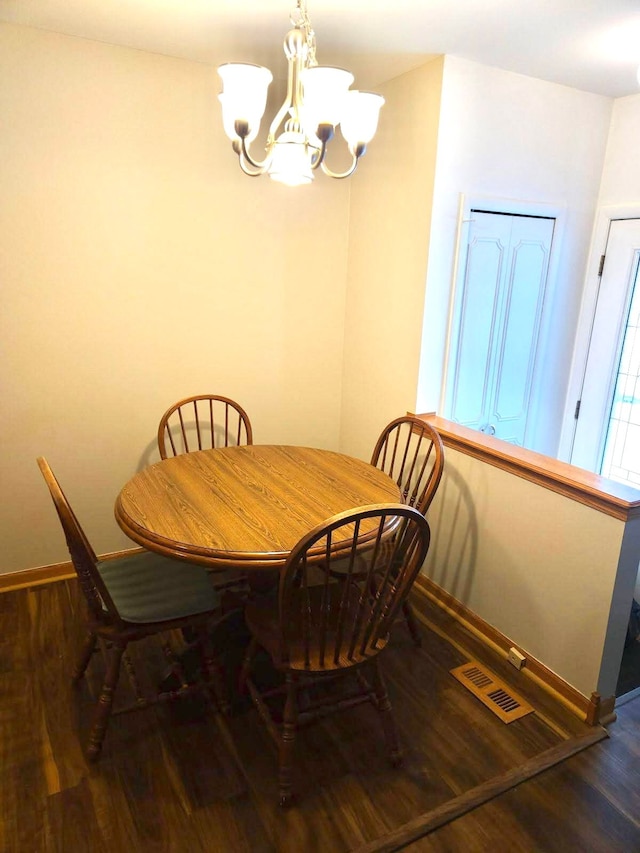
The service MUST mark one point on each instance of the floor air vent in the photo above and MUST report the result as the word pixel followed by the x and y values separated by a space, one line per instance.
pixel 492 692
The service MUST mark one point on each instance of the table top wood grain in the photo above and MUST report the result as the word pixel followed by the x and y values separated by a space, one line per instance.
pixel 244 507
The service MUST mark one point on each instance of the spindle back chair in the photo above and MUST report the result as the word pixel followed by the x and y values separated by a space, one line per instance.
pixel 202 422
pixel 411 452
pixel 338 626
pixel 132 597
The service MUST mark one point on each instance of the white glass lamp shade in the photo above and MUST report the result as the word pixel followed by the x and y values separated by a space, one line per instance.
pixel 360 119
pixel 244 95
pixel 324 91
pixel 290 160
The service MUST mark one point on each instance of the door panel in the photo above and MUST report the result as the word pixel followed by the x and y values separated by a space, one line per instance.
pixel 477 323
pixel 494 354
pixel 523 310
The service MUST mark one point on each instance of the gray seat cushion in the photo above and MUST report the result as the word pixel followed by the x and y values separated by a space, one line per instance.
pixel 147 587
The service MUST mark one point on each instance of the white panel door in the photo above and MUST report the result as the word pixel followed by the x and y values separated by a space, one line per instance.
pixel 494 350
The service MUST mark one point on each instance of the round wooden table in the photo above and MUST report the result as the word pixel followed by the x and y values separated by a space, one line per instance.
pixel 244 507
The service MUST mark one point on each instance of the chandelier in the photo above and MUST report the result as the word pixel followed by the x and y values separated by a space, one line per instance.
pixel 318 99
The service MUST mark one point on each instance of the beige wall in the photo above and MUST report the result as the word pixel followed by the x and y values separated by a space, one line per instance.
pixel 139 265
pixel 621 173
pixel 391 198
pixel 553 575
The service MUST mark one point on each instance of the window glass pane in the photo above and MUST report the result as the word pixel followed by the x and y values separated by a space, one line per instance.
pixel 621 457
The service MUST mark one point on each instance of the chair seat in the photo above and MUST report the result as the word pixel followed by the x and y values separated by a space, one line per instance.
pixel 147 587
pixel 262 620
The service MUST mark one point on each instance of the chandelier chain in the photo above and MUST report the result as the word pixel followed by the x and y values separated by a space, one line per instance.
pixel 300 18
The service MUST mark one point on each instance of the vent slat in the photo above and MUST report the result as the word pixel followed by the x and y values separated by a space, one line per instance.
pixel 480 679
pixel 506 702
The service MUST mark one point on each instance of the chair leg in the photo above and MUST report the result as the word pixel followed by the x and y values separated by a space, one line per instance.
pixel 212 671
pixel 412 624
pixel 85 656
pixel 287 742
pixel 384 707
pixel 105 702
pixel 252 648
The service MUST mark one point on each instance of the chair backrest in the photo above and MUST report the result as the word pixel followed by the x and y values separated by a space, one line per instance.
pixel 203 422
pixel 336 619
pixel 411 452
pixel 82 554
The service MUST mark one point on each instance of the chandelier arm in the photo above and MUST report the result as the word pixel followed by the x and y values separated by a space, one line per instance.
pixel 277 121
pixel 324 133
pixel 244 154
pixel 243 166
pixel 319 157
pixel 294 50
pixel 284 109
pixel 345 174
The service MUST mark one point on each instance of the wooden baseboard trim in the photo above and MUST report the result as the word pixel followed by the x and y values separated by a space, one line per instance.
pixel 36 577
pixel 49 574
pixel 591 710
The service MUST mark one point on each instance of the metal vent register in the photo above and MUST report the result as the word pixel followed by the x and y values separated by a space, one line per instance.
pixel 492 692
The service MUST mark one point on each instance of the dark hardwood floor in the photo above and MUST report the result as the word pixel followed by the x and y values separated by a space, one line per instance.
pixel 168 781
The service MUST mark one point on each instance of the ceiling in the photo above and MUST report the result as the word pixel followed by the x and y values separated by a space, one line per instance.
pixel 592 45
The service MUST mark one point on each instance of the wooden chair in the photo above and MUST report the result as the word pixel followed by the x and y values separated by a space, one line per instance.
pixel 130 598
pixel 203 422
pixel 317 631
pixel 200 423
pixel 411 452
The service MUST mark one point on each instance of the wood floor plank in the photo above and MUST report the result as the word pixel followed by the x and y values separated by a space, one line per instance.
pixel 481 794
pixel 55 650
pixel 554 813
pixel 167 781
pixel 71 823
